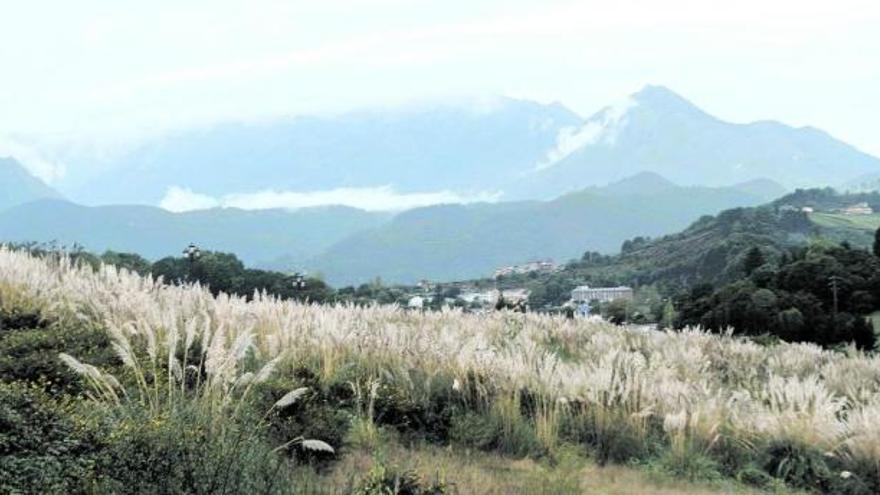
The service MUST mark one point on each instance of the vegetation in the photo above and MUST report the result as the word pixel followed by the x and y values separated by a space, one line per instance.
pixel 253 387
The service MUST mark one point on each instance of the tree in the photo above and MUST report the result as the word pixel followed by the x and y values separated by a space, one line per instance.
pixel 877 242
pixel 753 260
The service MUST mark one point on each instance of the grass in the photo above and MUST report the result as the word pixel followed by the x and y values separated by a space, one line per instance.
pixel 840 221
pixel 681 404
pixel 481 473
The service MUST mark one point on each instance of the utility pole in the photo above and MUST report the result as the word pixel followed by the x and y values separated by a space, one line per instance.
pixel 834 280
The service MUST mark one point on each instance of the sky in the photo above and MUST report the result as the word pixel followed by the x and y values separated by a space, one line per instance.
pixel 99 73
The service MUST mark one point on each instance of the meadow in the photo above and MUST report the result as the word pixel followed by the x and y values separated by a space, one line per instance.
pixel 253 386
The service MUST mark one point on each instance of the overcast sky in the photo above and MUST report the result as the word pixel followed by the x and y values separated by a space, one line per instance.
pixel 103 71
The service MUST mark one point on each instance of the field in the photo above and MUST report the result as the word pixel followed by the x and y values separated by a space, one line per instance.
pixel 192 377
pixel 850 222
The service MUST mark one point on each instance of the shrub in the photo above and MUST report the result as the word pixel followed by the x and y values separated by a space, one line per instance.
pixel 184 453
pixel 800 467
pixel 31 355
pixel 43 448
pixel 385 480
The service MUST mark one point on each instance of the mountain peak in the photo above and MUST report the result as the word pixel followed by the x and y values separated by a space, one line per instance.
pixel 663 99
pixel 641 183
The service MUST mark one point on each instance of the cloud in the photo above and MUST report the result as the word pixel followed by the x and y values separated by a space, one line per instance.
pixel 603 128
pixel 38 165
pixel 179 199
pixel 383 198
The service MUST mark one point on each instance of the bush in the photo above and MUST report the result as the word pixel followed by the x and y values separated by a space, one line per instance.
pixel 385 480
pixel 31 355
pixel 183 453
pixel 318 414
pixel 800 467
pixel 43 449
pixel 476 431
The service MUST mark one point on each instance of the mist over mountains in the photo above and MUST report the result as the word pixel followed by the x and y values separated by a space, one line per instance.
pixel 539 182
pixel 518 149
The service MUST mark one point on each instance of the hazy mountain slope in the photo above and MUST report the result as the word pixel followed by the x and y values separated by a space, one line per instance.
pixel 466 147
pixel 660 131
pixel 253 235
pixel 712 248
pixel 457 242
pixel 18 186
pixel 525 149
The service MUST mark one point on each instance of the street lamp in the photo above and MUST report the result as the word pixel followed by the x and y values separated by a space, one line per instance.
pixel 299 281
pixel 192 253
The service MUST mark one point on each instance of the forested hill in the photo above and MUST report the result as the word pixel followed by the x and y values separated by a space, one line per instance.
pixel 712 249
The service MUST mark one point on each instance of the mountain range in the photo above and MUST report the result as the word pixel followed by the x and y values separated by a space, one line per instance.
pixel 351 246
pixel 152 232
pixel 660 131
pixel 455 242
pixel 522 149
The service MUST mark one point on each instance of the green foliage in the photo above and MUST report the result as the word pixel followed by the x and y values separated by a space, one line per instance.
pixel 29 350
pixel 823 295
pixel 224 272
pixel 184 453
pixel 391 480
pixel 43 448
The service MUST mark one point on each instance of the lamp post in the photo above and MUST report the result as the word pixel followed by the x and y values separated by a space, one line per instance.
pixel 192 253
pixel 299 282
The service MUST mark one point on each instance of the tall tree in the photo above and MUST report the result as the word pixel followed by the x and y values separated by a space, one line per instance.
pixel 753 260
pixel 877 242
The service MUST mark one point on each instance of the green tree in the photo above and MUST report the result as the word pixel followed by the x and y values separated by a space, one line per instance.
pixel 753 260
pixel 877 242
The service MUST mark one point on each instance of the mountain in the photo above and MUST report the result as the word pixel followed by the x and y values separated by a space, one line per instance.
pixel 453 242
pixel 254 236
pixel 660 131
pixel 466 147
pixel 712 249
pixel 18 186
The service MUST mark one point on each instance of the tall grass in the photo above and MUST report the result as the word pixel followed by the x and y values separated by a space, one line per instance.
pixel 693 390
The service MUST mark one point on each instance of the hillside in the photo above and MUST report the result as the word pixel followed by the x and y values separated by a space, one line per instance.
pixel 465 403
pixel 450 242
pixel 18 186
pixel 659 130
pixel 712 249
pixel 152 232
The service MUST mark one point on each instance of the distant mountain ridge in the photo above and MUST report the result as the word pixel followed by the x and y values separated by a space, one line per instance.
pixel 525 150
pixel 455 242
pixel 463 147
pixel 660 131
pixel 18 186
pixel 255 236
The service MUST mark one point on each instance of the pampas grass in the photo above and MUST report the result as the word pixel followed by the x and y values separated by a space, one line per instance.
pixel 703 388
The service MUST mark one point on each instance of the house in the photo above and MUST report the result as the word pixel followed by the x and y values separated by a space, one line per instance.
pixel 857 209
pixel 542 266
pixel 416 302
pixel 585 294
pixel 807 209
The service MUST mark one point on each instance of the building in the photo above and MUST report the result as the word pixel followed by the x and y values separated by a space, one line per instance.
pixel 543 266
pixel 490 297
pixel 857 209
pixel 585 294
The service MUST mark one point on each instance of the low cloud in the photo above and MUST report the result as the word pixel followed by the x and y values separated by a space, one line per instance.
pixel 603 128
pixel 383 198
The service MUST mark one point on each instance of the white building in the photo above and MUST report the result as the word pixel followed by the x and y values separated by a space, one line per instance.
pixel 585 294
pixel 857 209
